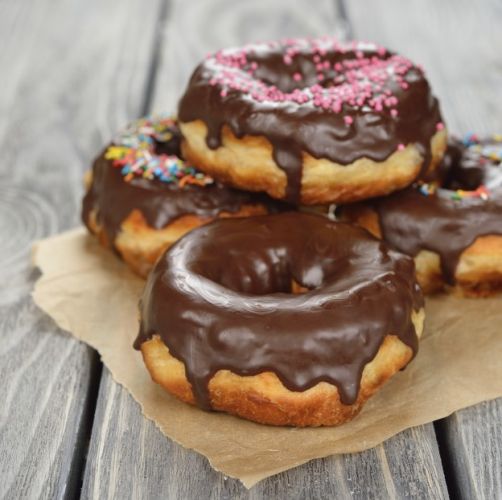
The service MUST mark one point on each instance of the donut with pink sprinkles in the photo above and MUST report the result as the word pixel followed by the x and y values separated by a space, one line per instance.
pixel 312 120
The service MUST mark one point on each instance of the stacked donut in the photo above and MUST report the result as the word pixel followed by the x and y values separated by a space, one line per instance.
pixel 268 312
pixel 141 196
pixel 452 224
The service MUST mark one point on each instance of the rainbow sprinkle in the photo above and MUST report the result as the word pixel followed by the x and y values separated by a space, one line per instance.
pixel 481 192
pixel 133 151
pixel 431 188
pixel 428 188
pixel 491 150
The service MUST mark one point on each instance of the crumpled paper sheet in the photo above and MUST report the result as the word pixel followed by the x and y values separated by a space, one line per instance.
pixel 92 295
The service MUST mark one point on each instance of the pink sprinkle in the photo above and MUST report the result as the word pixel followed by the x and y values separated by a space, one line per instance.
pixel 363 79
pixel 400 147
pixel 348 120
pixel 337 107
pixel 440 126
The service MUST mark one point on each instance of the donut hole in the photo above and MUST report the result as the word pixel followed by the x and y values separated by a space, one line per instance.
pixel 307 69
pixel 170 147
pixel 298 289
pixel 260 278
pixel 296 267
pixel 272 71
pixel 461 170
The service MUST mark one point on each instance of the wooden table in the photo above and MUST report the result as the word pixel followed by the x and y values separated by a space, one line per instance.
pixel 73 72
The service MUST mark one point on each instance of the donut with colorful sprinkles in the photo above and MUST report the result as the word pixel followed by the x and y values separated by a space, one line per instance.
pixel 312 121
pixel 141 196
pixel 452 226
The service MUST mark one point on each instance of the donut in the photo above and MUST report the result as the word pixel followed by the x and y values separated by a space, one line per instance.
pixel 312 121
pixel 454 232
pixel 141 197
pixel 298 321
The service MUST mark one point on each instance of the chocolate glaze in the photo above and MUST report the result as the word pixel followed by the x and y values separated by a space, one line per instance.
pixel 221 298
pixel 292 128
pixel 411 221
pixel 159 202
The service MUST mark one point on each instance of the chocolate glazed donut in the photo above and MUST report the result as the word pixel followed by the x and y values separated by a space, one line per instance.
pixel 453 230
pixel 221 328
pixel 319 106
pixel 138 209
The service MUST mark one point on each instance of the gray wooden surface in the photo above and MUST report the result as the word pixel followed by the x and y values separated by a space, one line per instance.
pixel 75 71
pixel 65 66
pixel 130 458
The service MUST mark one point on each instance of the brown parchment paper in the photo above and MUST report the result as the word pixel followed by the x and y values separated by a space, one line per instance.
pixel 92 295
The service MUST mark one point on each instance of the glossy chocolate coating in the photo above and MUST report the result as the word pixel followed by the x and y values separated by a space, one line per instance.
pixel 221 298
pixel 411 221
pixel 160 203
pixel 293 128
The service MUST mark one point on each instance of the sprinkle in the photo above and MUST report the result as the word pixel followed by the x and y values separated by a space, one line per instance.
pixel 348 120
pixel 401 147
pixel 470 139
pixel 481 192
pixel 133 151
pixel 486 150
pixel 367 76
pixel 440 126
pixel 428 189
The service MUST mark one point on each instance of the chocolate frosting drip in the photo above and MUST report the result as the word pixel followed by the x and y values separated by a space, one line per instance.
pixel 293 127
pixel 411 221
pixel 159 202
pixel 221 299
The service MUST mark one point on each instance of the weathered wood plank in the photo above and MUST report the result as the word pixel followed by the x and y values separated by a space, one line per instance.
pixel 195 28
pixel 128 456
pixel 473 441
pixel 459 45
pixel 72 72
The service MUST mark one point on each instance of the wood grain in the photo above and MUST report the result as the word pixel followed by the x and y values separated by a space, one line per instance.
pixel 72 72
pixel 473 441
pixel 128 456
pixel 459 45
pixel 195 28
